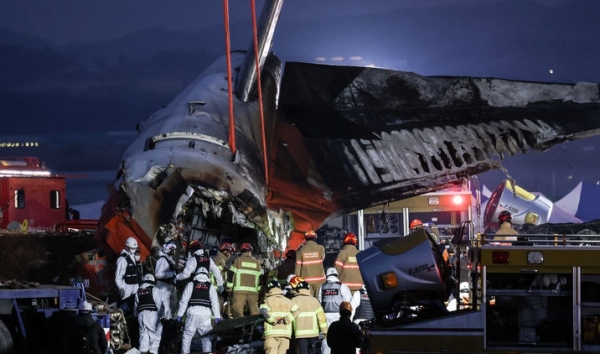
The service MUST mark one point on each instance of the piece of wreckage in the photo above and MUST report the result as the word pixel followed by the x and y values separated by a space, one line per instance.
pixel 263 164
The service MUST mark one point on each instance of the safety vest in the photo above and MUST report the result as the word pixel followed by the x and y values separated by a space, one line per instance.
pixel 200 294
pixel 331 297
pixel 245 274
pixel 145 300
pixel 364 309
pixel 133 273
pixel 202 260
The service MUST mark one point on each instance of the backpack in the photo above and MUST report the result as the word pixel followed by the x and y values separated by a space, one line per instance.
pixel 82 341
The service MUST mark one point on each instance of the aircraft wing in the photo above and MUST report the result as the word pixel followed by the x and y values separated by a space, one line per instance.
pixel 348 138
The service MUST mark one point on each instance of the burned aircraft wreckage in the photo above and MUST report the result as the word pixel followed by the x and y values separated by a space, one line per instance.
pixel 324 141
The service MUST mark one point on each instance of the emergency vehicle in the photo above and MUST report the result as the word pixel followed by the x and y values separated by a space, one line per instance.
pixel 540 294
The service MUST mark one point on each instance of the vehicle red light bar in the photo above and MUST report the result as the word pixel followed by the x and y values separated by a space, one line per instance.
pixel 501 257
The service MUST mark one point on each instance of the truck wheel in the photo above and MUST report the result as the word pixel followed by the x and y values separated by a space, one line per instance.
pixel 6 342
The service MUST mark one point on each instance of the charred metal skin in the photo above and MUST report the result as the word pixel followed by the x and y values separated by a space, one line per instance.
pixel 375 135
pixel 339 139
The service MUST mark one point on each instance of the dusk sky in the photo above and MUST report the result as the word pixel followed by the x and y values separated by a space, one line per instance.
pixel 64 22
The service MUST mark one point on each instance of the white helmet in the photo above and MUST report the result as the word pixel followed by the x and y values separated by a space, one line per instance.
pixel 86 306
pixel 202 270
pixel 169 247
pixel 331 271
pixel 149 278
pixel 464 286
pixel 131 243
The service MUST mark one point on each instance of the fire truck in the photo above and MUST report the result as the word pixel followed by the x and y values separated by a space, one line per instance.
pixel 538 294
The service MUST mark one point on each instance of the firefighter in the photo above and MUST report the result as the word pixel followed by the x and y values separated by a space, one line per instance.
pixel 128 275
pixel 505 222
pixel 223 254
pixel 287 267
pixel 290 290
pixel 147 302
pixel 243 279
pixel 199 258
pixel 309 262
pixel 165 280
pixel 343 335
pixel 346 264
pixel 331 295
pixel 279 312
pixel 199 302
pixel 310 322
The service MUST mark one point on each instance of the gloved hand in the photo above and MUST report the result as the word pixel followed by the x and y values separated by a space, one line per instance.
pixel 263 311
pixel 178 318
pixel 217 320
pixel 220 289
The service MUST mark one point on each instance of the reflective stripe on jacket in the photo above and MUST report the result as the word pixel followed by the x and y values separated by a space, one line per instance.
pixel 311 319
pixel 244 274
pixel 282 312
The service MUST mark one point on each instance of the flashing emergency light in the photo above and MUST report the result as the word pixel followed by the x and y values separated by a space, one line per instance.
pixel 457 200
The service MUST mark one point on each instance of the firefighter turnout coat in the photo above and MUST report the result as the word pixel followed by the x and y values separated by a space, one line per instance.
pixel 309 264
pixel 347 268
pixel 311 321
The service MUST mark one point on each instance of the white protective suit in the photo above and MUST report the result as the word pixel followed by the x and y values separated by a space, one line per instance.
pixel 335 316
pixel 198 317
pixel 166 288
pixel 149 322
pixel 125 290
pixel 191 266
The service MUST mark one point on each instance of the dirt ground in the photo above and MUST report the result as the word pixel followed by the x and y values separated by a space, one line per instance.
pixel 42 258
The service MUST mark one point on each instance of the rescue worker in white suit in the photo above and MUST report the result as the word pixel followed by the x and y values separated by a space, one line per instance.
pixel 165 280
pixel 147 300
pixel 197 258
pixel 198 300
pixel 128 274
pixel 331 295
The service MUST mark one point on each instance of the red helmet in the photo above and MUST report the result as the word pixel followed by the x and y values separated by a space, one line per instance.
pixel 195 246
pixel 310 234
pixel 295 281
pixel 246 247
pixel 226 246
pixel 504 216
pixel 350 239
pixel 415 223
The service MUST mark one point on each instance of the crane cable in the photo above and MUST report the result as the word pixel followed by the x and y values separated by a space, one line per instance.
pixel 229 79
pixel 259 88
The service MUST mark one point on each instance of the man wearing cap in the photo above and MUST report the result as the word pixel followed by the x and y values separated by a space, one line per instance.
pixel 279 313
pixel 310 322
pixel 309 262
pixel 198 302
pixel 344 336
pixel 128 274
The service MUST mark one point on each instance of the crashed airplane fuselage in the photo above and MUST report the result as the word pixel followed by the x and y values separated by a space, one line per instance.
pixel 337 139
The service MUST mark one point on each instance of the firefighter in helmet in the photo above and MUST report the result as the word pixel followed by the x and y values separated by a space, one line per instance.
pixel 503 235
pixel 221 258
pixel 310 322
pixel 309 262
pixel 243 281
pixel 279 313
pixel 346 265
